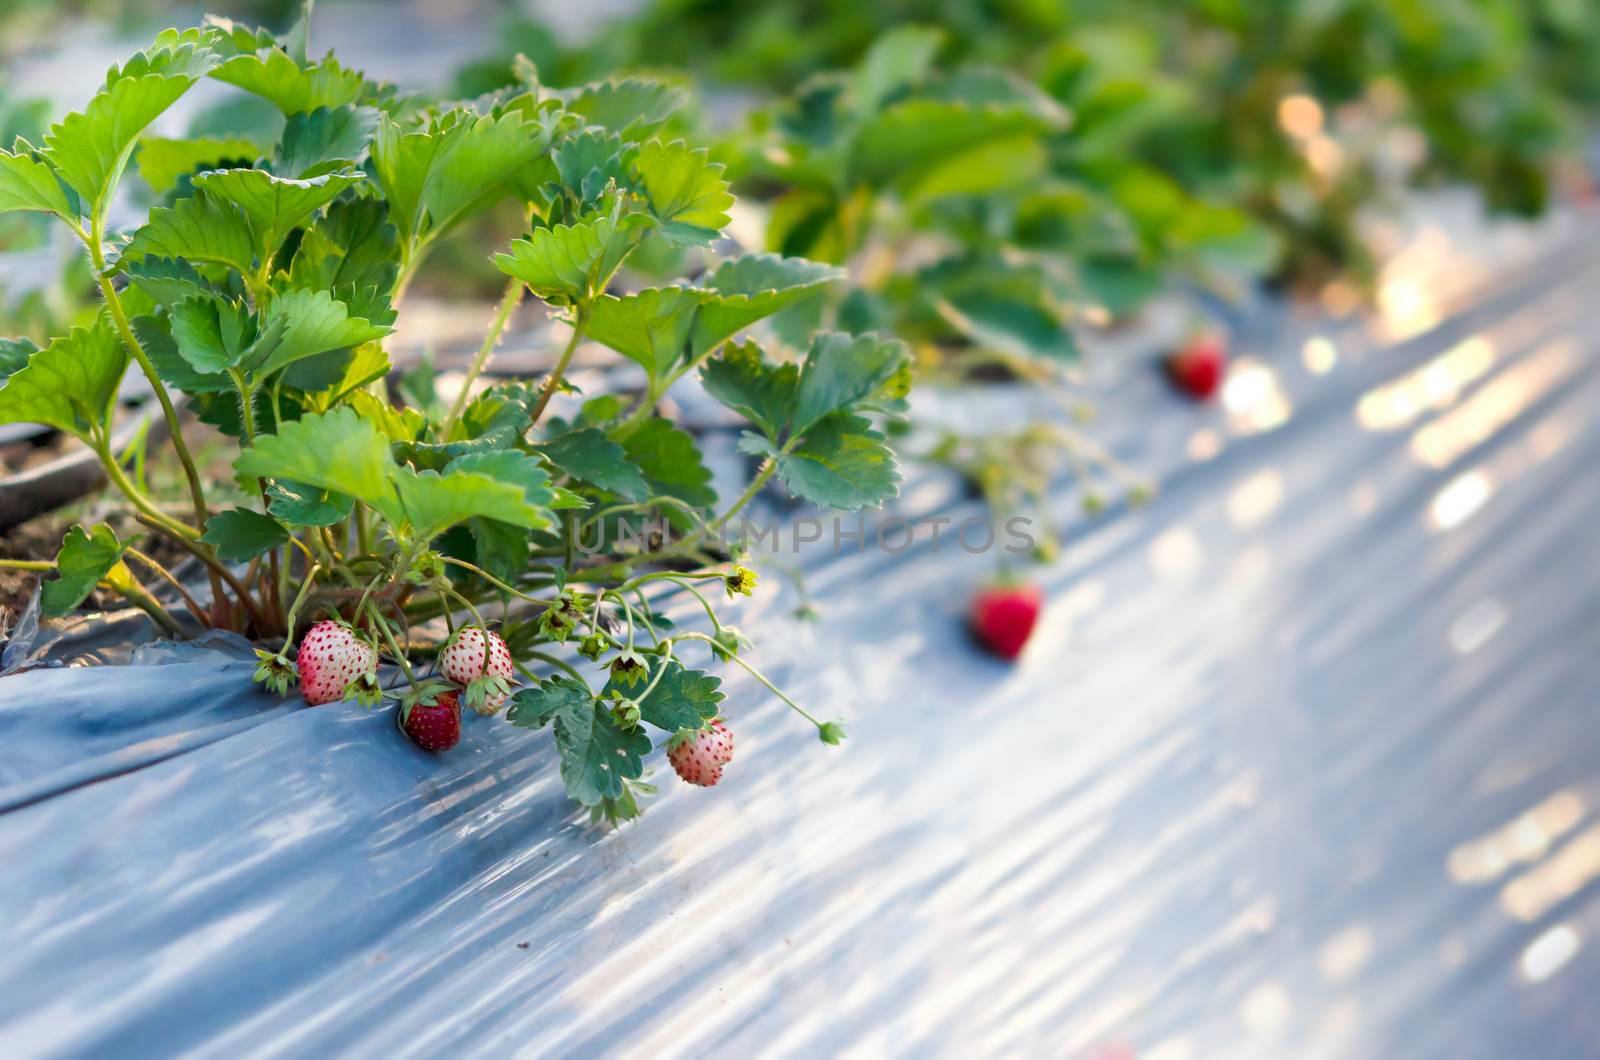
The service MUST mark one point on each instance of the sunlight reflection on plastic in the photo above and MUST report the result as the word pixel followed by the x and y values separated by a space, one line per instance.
pixel 1343 955
pixel 1460 500
pixel 1405 308
pixel 1543 887
pixel 1522 840
pixel 1434 386
pixel 1254 400
pixel 1476 626
pixel 1319 355
pixel 1253 501
pixel 1497 403
pixel 1546 954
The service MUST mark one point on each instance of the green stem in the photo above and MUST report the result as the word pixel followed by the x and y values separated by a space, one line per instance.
pixel 165 575
pixel 768 466
pixel 758 675
pixel 137 595
pixel 119 317
pixel 294 608
pixel 580 321
pixel 492 580
pixel 388 638
pixel 27 564
pixel 508 304
pixel 557 663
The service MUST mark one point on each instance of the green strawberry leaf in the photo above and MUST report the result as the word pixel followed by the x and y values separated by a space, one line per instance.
pixel 325 140
pixel 753 287
pixel 569 263
pixel 588 455
pixel 351 246
pixel 85 560
pixel 840 371
pixel 240 535
pixel 155 335
pixel 301 505
pixel 305 324
pixel 300 452
pixel 556 697
pixel 90 148
pixel 682 699
pixel 650 326
pixel 438 176
pixel 212 333
pixel 686 190
pixel 14 354
pixel 742 379
pixel 598 755
pixel 164 163
pixel 509 465
pixel 671 464
pixel 841 463
pixel 167 281
pixel 273 205
pixel 630 107
pixel 433 503
pixel 27 184
pixel 271 74
pixel 70 384
pixel 198 228
pixel 900 58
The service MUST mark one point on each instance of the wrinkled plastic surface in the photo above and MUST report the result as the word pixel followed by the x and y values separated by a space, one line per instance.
pixel 1302 762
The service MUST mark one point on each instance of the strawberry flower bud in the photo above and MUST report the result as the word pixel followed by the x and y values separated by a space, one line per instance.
pixel 629 668
pixel 592 647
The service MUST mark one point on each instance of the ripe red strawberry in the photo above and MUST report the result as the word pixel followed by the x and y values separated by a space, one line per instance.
pixel 1196 367
pixel 698 756
pixel 335 662
pixel 1003 617
pixel 431 717
pixel 479 662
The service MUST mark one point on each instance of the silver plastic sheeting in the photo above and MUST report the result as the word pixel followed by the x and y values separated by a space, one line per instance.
pixel 1302 762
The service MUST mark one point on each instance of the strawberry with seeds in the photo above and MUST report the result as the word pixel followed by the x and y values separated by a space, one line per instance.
pixel 336 662
pixel 479 661
pixel 430 716
pixel 698 755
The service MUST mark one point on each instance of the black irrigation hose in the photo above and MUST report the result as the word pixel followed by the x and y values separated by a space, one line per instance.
pixel 39 490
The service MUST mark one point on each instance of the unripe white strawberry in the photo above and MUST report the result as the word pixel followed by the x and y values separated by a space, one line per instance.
pixel 335 661
pixel 698 756
pixel 481 663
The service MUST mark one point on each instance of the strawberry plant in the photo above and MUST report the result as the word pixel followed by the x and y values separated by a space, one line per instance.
pixel 260 292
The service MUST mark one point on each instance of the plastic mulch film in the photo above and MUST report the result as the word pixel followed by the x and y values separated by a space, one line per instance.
pixel 1301 763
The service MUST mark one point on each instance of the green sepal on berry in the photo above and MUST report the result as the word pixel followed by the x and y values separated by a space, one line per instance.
pixel 426 694
pixel 365 690
pixel 592 647
pixel 427 569
pixel 276 670
pixel 740 581
pixel 487 694
pixel 624 711
pixel 831 733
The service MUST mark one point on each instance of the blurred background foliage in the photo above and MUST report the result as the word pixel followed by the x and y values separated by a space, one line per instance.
pixel 996 172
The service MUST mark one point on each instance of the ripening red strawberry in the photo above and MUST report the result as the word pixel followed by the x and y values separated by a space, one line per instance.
pixel 698 757
pixel 431 717
pixel 1197 366
pixel 480 663
pixel 333 660
pixel 1003 617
